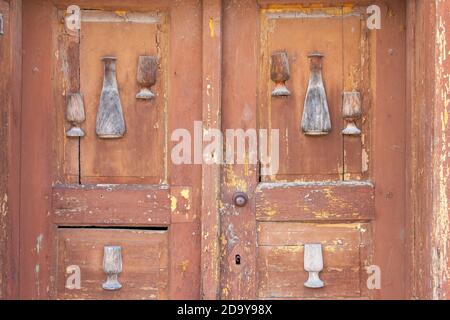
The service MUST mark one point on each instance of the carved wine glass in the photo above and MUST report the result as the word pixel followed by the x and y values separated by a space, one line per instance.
pixel 279 73
pixel 146 76
pixel 112 265
pixel 313 264
pixel 351 111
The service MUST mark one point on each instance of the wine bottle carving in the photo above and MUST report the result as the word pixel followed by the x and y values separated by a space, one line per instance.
pixel 316 115
pixel 110 121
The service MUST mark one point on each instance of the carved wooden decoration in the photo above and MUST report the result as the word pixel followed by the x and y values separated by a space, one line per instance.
pixel 110 121
pixel 351 111
pixel 316 115
pixel 75 114
pixel 313 264
pixel 146 76
pixel 279 73
pixel 112 265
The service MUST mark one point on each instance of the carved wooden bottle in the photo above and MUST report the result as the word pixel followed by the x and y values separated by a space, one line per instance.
pixel 110 121
pixel 316 116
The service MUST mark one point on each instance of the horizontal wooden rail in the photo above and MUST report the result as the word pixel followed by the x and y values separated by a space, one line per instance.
pixel 111 205
pixel 327 201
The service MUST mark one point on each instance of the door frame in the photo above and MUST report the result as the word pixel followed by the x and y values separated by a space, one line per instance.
pixel 427 219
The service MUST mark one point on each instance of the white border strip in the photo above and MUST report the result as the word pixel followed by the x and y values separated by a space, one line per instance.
pixel 100 16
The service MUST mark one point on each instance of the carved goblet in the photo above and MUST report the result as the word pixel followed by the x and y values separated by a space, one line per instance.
pixel 112 265
pixel 279 73
pixel 146 76
pixel 313 263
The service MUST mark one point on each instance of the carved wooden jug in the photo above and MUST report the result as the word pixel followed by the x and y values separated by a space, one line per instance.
pixel 110 121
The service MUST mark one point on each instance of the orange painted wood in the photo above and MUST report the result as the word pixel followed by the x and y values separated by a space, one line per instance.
pixel 341 201
pixel 37 161
pixel 302 156
pixel 211 106
pixel 185 107
pixel 145 265
pixel 67 80
pixel 239 103
pixel 10 140
pixel 139 156
pixel 389 148
pixel 355 74
pixel 280 259
pixel 111 205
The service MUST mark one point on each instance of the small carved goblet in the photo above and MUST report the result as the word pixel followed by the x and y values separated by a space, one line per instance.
pixel 112 265
pixel 351 111
pixel 279 73
pixel 146 76
pixel 75 115
pixel 313 264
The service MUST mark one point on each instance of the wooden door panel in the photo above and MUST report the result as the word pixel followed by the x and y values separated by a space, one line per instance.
pixel 280 259
pixel 101 185
pixel 111 205
pixel 145 266
pixel 322 201
pixel 325 190
pixel 138 157
pixel 336 33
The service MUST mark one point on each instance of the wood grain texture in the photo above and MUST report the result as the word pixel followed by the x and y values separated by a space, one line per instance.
pixel 211 106
pixel 11 122
pixel 184 107
pixel 66 72
pixel 239 103
pixel 37 167
pixel 280 259
pixel 5 141
pixel 145 266
pixel 356 78
pixel 315 201
pixel 440 221
pixel 111 205
pixel 388 84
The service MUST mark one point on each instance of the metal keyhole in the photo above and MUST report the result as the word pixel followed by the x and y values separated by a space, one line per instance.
pixel 240 199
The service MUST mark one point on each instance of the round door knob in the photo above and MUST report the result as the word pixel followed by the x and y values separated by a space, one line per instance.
pixel 240 199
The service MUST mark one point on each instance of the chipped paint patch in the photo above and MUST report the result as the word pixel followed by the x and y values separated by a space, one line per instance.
pixel 173 203
pixel 39 243
pixel 185 193
pixel 212 31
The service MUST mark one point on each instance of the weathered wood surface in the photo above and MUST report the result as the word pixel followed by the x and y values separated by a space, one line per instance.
pixel 239 106
pixel 341 201
pixel 37 161
pixel 211 114
pixel 145 265
pixel 139 156
pixel 302 157
pixel 5 140
pixel 10 103
pixel 111 205
pixel 388 149
pixel 281 254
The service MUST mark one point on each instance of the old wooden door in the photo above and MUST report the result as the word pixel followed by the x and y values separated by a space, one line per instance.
pixel 119 194
pixel 343 192
pixel 100 188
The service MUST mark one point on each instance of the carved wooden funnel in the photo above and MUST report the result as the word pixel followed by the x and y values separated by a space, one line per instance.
pixel 316 115
pixel 110 122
